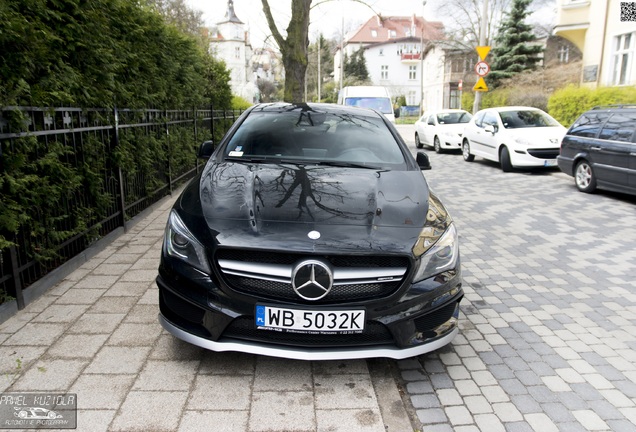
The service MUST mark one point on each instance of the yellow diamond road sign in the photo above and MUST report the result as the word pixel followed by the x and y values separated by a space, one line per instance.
pixel 483 51
pixel 481 85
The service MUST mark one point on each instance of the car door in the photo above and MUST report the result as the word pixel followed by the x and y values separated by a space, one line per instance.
pixel 612 150
pixel 429 130
pixel 484 142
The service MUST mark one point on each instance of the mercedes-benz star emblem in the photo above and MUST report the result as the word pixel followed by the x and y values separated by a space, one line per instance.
pixel 312 279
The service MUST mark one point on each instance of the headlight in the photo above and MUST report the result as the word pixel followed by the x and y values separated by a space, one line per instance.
pixel 181 244
pixel 437 246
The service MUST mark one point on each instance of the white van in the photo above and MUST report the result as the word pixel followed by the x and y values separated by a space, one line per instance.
pixel 375 97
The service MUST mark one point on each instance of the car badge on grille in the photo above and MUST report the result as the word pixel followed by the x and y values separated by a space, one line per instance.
pixel 314 235
pixel 312 280
pixel 554 140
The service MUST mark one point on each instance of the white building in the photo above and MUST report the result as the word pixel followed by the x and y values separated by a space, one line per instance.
pixel 605 36
pixel 229 41
pixel 393 47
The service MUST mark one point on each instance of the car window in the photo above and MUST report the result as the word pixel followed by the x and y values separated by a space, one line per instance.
pixel 619 127
pixel 453 118
pixel 479 117
pixel 490 119
pixel 316 137
pixel 382 104
pixel 431 120
pixel 526 119
pixel 588 125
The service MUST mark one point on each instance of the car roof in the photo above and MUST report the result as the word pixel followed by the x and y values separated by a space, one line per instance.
pixel 283 107
pixel 513 108
pixel 613 108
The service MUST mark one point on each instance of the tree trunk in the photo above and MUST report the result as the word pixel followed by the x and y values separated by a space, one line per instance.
pixel 294 48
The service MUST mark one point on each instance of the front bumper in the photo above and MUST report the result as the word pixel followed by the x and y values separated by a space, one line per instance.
pixel 534 157
pixel 419 320
pixel 308 354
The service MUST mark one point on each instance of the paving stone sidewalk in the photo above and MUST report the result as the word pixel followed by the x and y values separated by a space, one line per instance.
pixel 548 325
pixel 96 334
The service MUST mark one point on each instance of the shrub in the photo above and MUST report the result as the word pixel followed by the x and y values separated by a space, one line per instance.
pixel 240 103
pixel 567 104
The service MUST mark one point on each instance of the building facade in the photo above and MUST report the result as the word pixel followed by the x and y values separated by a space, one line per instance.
pixel 229 41
pixel 393 52
pixel 605 32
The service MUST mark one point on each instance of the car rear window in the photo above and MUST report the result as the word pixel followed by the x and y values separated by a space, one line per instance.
pixel 619 127
pixel 316 137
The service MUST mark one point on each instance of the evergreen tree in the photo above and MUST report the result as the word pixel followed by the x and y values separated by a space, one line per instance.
pixel 356 66
pixel 513 52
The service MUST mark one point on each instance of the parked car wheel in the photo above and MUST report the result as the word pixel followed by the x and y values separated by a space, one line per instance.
pixel 437 145
pixel 584 177
pixel 504 159
pixel 466 152
pixel 418 143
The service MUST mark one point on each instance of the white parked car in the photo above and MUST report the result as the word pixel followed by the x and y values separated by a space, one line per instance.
pixel 515 136
pixel 441 129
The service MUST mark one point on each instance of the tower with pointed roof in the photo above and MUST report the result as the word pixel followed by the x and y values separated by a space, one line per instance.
pixel 230 42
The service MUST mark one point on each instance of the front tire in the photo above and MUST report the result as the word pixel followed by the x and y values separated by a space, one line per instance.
pixel 584 177
pixel 418 143
pixel 504 159
pixel 437 145
pixel 466 152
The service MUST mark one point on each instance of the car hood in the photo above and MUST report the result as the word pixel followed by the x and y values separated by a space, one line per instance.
pixel 452 128
pixel 269 205
pixel 547 137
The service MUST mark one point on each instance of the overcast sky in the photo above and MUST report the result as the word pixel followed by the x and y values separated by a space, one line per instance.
pixel 326 16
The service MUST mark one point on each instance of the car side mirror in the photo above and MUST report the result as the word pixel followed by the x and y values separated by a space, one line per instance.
pixel 491 129
pixel 206 150
pixel 422 161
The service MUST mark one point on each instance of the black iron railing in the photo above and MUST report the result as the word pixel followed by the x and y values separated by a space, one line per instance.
pixel 74 175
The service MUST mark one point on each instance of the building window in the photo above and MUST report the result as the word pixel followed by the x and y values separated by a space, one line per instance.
pixel 455 99
pixel 392 33
pixel 622 58
pixel 411 98
pixel 237 52
pixel 564 53
pixel 412 72
pixel 374 33
pixel 384 72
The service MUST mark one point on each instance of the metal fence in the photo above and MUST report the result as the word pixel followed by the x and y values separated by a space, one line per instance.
pixel 121 161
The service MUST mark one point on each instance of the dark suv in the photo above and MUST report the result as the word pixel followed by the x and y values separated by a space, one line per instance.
pixel 599 149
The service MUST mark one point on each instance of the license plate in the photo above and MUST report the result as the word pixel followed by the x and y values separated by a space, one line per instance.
pixel 310 321
pixel 550 163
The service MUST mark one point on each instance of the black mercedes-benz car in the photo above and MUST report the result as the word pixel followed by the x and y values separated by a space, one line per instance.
pixel 312 234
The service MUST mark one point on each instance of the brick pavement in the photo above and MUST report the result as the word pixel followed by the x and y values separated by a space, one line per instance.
pixel 96 334
pixel 548 330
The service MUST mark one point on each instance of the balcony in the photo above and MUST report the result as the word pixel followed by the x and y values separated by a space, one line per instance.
pixel 573 20
pixel 410 57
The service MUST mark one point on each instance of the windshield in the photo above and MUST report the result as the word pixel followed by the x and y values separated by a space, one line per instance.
pixel 315 137
pixel 382 104
pixel 526 119
pixel 453 117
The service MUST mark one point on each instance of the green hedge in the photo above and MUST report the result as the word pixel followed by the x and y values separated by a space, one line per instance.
pixel 101 53
pixel 567 104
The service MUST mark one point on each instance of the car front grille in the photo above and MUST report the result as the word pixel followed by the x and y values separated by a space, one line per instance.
pixel 243 328
pixel 550 153
pixel 268 275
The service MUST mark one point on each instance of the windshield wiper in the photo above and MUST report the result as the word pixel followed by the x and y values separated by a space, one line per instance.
pixel 346 164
